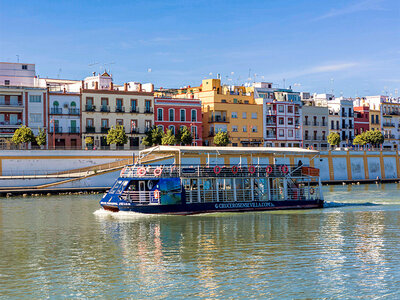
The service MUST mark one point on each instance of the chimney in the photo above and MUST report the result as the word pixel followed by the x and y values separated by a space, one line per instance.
pixel 96 85
pixel 82 84
pixel 65 90
pixel 139 87
pixel 125 87
pixel 111 86
pixel 94 73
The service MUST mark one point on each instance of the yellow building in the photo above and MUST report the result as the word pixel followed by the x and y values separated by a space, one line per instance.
pixel 228 108
pixel 374 119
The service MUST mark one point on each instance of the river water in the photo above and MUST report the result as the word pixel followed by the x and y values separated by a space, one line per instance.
pixel 64 247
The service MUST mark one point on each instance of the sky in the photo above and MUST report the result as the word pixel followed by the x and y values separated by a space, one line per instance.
pixel 350 47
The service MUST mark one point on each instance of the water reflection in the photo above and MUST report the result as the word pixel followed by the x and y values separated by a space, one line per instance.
pixel 56 247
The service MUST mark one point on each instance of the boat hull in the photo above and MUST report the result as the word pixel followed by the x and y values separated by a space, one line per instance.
pixel 212 207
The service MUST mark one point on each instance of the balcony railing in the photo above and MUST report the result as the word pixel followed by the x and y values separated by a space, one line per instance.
pixel 15 104
pixel 388 124
pixel 389 136
pixel 119 109
pixel 269 123
pixel 307 123
pixel 315 124
pixel 148 110
pixel 9 123
pixel 73 130
pixel 104 129
pixel 73 111
pixel 134 109
pixel 270 135
pixel 55 111
pixel 105 108
pixel 89 107
pixel 270 112
pixel 218 119
pixel 135 131
pixel 90 129
pixel 391 113
pixel 57 129
pixel 344 114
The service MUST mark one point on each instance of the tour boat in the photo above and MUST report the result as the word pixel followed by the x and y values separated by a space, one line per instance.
pixel 183 189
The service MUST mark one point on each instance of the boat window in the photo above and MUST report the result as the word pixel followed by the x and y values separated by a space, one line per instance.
pixel 114 188
pixel 122 187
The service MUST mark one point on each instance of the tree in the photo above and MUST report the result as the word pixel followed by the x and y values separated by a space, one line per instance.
pixel 41 137
pixel 169 138
pixel 360 139
pixel 221 138
pixel 117 136
pixel 23 135
pixel 374 137
pixel 334 139
pixel 185 136
pixel 89 142
pixel 153 137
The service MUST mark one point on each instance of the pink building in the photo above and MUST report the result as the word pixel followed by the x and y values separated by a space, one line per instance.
pixel 172 113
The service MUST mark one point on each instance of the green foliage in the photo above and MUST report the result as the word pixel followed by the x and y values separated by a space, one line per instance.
pixel 153 137
pixel 374 137
pixel 185 136
pixel 169 138
pixel 221 138
pixel 117 136
pixel 89 140
pixel 360 139
pixel 41 137
pixel 334 139
pixel 23 135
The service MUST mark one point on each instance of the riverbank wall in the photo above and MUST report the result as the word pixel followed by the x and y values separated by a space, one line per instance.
pixel 97 170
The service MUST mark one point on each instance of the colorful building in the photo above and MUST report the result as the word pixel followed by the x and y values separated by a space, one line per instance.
pixel 228 108
pixel 361 119
pixel 315 126
pixel 174 113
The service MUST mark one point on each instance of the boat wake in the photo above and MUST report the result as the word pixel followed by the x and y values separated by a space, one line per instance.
pixel 342 204
pixel 121 214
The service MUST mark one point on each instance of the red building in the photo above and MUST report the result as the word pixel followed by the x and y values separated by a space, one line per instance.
pixel 172 113
pixel 361 119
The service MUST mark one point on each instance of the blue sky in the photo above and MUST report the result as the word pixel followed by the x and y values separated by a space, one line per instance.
pixel 352 47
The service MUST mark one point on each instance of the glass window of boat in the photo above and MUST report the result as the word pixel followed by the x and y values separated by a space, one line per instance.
pixel 122 187
pixel 115 187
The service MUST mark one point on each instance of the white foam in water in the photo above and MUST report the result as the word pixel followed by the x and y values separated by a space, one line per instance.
pixel 121 214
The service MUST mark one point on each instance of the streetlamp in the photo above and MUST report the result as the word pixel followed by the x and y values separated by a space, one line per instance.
pixel 54 133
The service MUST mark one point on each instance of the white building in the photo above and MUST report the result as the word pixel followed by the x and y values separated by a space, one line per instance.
pixel 17 74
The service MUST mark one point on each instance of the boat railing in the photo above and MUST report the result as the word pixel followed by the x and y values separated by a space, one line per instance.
pixel 139 197
pixel 193 171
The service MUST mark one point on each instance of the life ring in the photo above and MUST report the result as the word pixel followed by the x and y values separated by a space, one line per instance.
pixel 284 169
pixel 158 171
pixel 141 171
pixel 122 172
pixel 156 194
pixel 217 170
pixel 235 169
pixel 268 170
pixel 150 184
pixel 252 169
pixel 312 191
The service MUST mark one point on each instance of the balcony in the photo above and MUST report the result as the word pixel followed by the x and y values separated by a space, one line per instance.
pixel 391 113
pixel 218 119
pixel 89 108
pixel 55 111
pixel 135 131
pixel 270 123
pixel 344 114
pixel 351 115
pixel 134 109
pixel 73 111
pixel 351 126
pixel 387 124
pixel 211 134
pixel 10 123
pixel 324 124
pixel 105 108
pixel 12 103
pixel 56 129
pixel 389 136
pixel 147 129
pixel 270 135
pixel 90 129
pixel 73 130
pixel 104 129
pixel 315 124
pixel 119 109
pixel 148 110
pixel 307 123
pixel 270 112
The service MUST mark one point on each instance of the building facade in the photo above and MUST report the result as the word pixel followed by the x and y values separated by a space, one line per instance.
pixel 361 119
pixel 315 126
pixel 341 119
pixel 17 74
pixel 174 113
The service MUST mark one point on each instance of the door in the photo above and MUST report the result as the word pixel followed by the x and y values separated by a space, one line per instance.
pixel 73 127
pixel 142 191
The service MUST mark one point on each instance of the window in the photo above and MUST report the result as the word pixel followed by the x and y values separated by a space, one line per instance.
pixel 134 125
pixel 281 132
pixel 104 123
pixel 254 115
pixel 147 124
pixel 234 128
pixel 119 122
pixel 290 133
pixel 332 124
pixel 281 109
pixel 254 128
pixel 35 117
pixel 24 67
pixel 73 104
pixel 89 101
pixel 372 119
pixel 119 103
pixel 89 122
pixel 171 113
pixel 246 101
pixel 133 105
pixel 6 82
pixel 290 109
pixel 223 101
pixel 281 121
pixel 290 121
pixel 194 115
pixel 35 98
pixel 234 115
pixel 147 104
pixel 245 128
pixel 183 116
pixel 194 132
pixel 104 101
pixel 377 119
pixel 244 115
pixel 159 114
pixel 172 128
pixel 235 100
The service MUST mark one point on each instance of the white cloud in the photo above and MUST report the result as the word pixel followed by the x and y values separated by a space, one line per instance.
pixel 356 7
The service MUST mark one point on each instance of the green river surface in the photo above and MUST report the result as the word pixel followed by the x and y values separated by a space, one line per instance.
pixel 65 247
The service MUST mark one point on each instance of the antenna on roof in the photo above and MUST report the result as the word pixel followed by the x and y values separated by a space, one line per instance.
pixel 17 58
pixel 108 64
pixel 59 72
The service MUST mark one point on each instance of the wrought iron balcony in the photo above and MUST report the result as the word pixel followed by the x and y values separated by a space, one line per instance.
pixel 73 130
pixel 218 119
pixel 119 109
pixel 57 129
pixel 104 129
pixel 89 107
pixel 148 110
pixel 134 109
pixel 55 111
pixel 73 111
pixel 90 129
pixel 105 108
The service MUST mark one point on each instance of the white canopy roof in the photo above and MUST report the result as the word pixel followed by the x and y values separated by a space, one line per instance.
pixel 230 150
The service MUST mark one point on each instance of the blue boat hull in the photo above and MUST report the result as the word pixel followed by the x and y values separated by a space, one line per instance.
pixel 211 207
